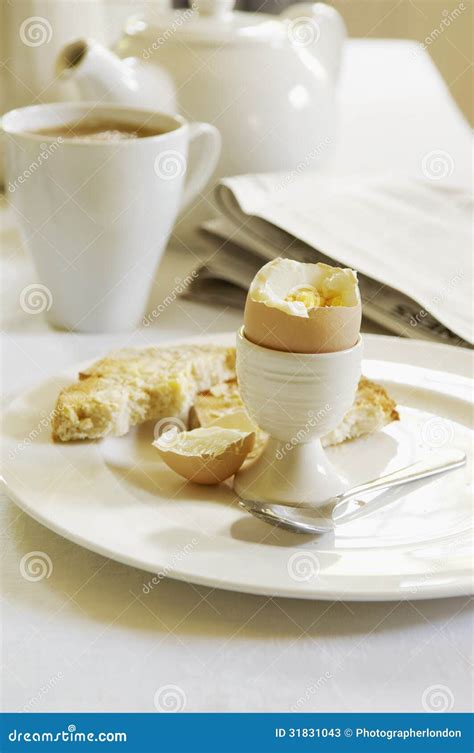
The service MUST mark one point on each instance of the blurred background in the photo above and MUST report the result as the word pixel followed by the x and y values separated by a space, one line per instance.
pixel 443 26
pixel 451 49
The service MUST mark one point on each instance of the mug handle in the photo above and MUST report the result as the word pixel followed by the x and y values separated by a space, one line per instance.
pixel 205 163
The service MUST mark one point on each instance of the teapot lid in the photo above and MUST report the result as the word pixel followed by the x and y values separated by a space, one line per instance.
pixel 208 22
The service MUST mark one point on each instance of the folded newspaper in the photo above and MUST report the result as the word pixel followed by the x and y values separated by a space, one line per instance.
pixel 409 239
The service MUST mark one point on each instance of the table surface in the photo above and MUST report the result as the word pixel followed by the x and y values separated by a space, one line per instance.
pixel 88 639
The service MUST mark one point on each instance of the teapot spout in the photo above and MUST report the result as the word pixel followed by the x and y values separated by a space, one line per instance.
pixel 101 75
pixel 98 72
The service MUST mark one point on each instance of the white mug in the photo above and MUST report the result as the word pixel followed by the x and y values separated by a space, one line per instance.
pixel 96 215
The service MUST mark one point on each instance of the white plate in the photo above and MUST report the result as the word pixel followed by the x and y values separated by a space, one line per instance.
pixel 117 498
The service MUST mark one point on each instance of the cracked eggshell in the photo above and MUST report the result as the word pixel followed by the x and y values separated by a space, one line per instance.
pixel 203 465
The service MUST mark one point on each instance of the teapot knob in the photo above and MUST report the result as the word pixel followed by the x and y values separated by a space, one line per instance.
pixel 216 8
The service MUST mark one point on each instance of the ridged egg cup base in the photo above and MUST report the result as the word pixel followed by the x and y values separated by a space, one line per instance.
pixel 301 474
pixel 296 399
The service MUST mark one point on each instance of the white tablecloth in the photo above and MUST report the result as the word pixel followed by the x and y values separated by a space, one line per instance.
pixel 88 639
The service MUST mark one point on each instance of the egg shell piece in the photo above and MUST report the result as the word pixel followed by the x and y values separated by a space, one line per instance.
pixel 204 467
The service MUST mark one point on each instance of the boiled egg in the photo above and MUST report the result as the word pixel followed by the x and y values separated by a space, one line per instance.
pixel 303 308
pixel 206 455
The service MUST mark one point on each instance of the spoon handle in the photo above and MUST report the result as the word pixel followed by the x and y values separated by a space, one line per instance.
pixel 439 462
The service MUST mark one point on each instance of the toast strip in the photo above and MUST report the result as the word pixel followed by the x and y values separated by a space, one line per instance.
pixel 133 385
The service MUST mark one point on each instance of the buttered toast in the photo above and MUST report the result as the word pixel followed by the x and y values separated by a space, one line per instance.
pixel 135 385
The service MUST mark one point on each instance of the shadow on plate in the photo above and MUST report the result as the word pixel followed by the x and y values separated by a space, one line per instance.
pixel 256 531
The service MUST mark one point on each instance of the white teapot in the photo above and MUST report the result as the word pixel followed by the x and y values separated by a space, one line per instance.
pixel 267 82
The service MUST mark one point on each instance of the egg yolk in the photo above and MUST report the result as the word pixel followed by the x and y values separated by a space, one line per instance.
pixel 336 301
pixel 305 294
pixel 311 298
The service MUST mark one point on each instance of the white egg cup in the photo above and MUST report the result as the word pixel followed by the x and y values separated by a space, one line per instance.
pixel 297 399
